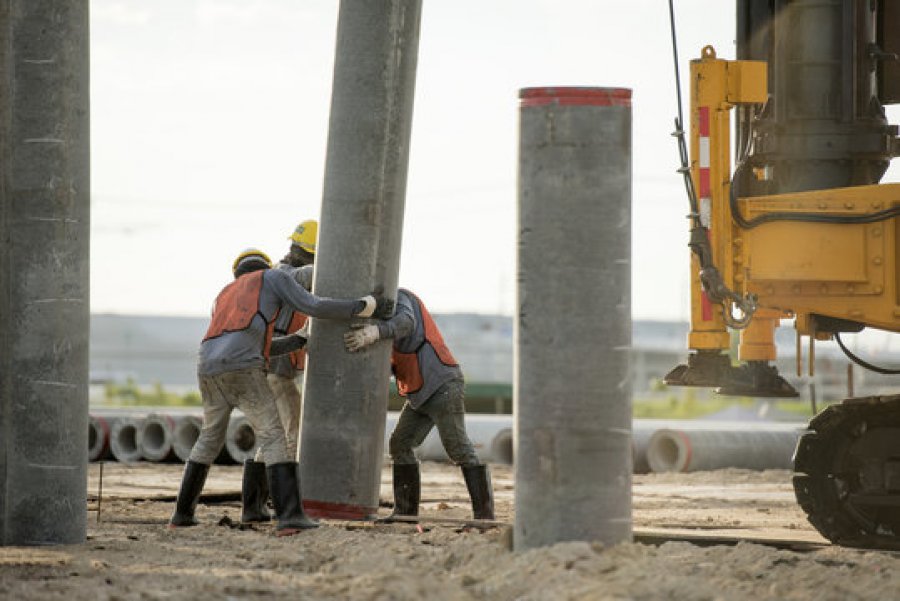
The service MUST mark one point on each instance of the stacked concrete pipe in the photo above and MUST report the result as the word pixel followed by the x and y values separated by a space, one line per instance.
pixel 657 445
pixel 155 438
pixel 240 441
pixel 99 428
pixel 123 439
pixel 185 434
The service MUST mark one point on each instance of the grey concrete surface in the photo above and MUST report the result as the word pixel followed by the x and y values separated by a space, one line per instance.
pixel 44 280
pixel 345 395
pixel 572 393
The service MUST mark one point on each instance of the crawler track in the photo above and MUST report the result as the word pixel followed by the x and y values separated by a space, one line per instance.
pixel 847 472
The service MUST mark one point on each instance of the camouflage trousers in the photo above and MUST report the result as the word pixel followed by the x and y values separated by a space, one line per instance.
pixel 444 409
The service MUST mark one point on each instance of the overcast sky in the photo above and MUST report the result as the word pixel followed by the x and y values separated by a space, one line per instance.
pixel 209 124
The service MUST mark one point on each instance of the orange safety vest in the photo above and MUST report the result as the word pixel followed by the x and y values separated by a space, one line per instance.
pixel 406 365
pixel 237 305
pixel 298 357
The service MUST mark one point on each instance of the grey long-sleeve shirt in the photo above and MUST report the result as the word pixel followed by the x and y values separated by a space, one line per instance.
pixel 407 329
pixel 281 364
pixel 244 349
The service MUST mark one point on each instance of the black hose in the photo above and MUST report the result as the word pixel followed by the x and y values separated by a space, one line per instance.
pixel 800 217
pixel 685 169
pixel 862 362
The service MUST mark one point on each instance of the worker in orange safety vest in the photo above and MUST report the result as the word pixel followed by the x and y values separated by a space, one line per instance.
pixel 431 381
pixel 284 371
pixel 231 373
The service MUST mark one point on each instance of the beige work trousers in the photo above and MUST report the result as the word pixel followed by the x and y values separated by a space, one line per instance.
pixel 247 390
pixel 289 401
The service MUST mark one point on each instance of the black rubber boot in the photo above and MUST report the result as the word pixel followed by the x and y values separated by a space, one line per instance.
pixel 478 481
pixel 284 485
pixel 407 491
pixel 191 486
pixel 254 493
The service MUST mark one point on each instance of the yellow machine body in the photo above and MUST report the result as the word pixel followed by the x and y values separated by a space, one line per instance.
pixel 798 269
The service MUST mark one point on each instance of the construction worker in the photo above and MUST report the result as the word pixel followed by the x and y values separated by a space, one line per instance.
pixel 431 381
pixel 283 371
pixel 231 371
pixel 303 244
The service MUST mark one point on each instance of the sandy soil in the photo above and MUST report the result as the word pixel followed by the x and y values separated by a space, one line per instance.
pixel 131 555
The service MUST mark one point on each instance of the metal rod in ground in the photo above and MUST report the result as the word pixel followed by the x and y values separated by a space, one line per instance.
pixel 100 492
pixel 345 395
pixel 572 397
pixel 44 283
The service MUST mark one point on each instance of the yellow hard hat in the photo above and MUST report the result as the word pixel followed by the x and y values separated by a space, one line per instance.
pixel 305 235
pixel 249 254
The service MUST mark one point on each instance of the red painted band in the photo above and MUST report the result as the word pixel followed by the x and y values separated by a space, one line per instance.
pixel 704 182
pixel 337 511
pixel 574 96
pixel 705 307
pixel 688 452
pixel 703 121
pixel 104 425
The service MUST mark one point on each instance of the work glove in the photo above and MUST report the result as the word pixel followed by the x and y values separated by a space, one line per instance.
pixel 303 332
pixel 360 336
pixel 377 306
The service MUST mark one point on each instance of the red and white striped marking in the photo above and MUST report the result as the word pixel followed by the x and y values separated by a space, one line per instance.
pixel 703 160
pixel 705 200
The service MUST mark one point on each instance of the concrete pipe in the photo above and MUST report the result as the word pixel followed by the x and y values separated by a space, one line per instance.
pixel 99 428
pixel 240 441
pixel 682 450
pixel 641 432
pixel 123 439
pixel 185 434
pixel 155 438
pixel 502 447
pixel 482 431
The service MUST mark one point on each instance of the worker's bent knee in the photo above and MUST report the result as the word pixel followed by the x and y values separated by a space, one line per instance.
pixel 205 452
pixel 274 452
pixel 398 445
pixel 403 457
pixel 463 457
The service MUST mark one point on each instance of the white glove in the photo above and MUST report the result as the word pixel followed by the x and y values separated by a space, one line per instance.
pixel 360 336
pixel 303 332
pixel 369 309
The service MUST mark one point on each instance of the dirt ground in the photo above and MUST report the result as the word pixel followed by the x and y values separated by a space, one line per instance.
pixel 130 554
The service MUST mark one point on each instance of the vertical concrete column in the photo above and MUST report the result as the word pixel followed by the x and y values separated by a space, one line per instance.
pixel 345 395
pixel 572 398
pixel 44 245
